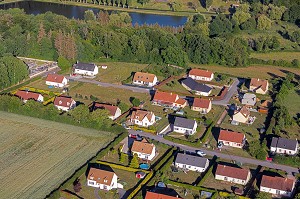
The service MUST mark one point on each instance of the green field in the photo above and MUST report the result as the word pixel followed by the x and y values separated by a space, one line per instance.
pixel 289 56
pixel 38 155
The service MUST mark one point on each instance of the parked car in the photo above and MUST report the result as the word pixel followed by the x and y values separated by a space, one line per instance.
pixel 200 153
pixel 133 136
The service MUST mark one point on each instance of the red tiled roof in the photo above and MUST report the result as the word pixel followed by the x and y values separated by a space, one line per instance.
pixel 279 183
pixel 201 103
pixel 259 83
pixel 63 101
pixel 152 195
pixel 26 95
pixel 141 114
pixel 142 147
pixel 101 176
pixel 180 101
pixel 145 77
pixel 164 96
pixel 231 136
pixel 112 109
pixel 200 72
pixel 55 78
pixel 233 172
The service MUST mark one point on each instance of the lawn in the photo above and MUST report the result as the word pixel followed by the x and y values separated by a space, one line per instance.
pixel 276 55
pixel 189 177
pixel 38 155
pixel 213 115
pixel 174 86
pixel 41 84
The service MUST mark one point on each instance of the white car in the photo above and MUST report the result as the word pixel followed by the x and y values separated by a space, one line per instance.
pixel 200 153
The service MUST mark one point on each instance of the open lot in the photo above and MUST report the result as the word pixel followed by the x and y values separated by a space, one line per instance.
pixel 37 155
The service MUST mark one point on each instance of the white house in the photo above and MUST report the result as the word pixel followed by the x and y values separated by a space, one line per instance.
pixel 230 138
pixel 232 174
pixel 56 80
pixel 143 149
pixel 64 103
pixel 197 88
pixel 203 75
pixel 260 86
pixel 102 179
pixel 190 162
pixel 114 111
pixel 144 79
pixel 88 69
pixel 201 105
pixel 142 118
pixel 241 115
pixel 277 185
pixel 185 126
pixel 169 100
pixel 27 95
pixel 284 146
pixel 249 99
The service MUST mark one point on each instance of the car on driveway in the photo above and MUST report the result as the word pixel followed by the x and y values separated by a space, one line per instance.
pixel 200 153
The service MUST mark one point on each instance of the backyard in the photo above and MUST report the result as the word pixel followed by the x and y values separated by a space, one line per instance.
pixel 43 154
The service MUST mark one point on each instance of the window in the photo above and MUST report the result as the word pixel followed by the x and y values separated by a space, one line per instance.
pixel 225 178
pixel 91 183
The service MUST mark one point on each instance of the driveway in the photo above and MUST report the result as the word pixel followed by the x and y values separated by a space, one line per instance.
pixel 223 155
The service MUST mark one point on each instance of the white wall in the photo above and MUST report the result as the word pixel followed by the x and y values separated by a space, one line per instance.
pixel 59 85
pixel 145 156
pixel 192 168
pixel 275 191
pixel 202 78
pixel 284 151
pixel 113 185
pixel 233 180
pixel 232 144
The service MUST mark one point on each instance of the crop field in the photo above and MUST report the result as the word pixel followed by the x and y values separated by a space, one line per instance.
pixel 38 155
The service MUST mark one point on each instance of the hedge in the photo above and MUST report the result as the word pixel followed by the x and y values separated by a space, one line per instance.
pixel 226 194
pixel 207 132
pixel 19 85
pixel 189 186
pixel 207 174
pixel 163 161
pixel 141 184
pixel 121 167
pixel 143 129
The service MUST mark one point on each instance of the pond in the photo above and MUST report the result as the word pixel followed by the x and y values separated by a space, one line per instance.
pixel 77 12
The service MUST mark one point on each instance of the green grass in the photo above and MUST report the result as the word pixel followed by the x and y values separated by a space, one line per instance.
pixel 292 102
pixel 289 56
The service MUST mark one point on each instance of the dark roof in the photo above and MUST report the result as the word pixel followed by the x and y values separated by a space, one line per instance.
pixel 284 143
pixel 85 66
pixel 195 86
pixel 191 160
pixel 184 123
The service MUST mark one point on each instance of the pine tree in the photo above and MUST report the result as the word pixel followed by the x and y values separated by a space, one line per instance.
pixel 134 163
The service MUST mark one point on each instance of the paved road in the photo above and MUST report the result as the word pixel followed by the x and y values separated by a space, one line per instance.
pixel 103 84
pixel 288 169
pixel 233 89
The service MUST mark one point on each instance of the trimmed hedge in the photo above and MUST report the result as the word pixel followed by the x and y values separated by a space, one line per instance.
pixel 226 194
pixel 207 132
pixel 163 161
pixel 121 167
pixel 140 186
pixel 144 129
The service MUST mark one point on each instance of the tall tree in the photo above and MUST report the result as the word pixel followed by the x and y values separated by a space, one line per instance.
pixel 41 33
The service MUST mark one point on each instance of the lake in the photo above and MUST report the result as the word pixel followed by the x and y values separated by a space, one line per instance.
pixel 77 12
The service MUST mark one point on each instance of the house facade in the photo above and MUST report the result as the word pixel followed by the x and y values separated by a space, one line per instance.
pixel 203 75
pixel 259 86
pixel 27 95
pixel 201 105
pixel 168 100
pixel 284 146
pixel 143 149
pixel 144 79
pixel 185 126
pixel 241 115
pixel 56 80
pixel 87 69
pixel 198 88
pixel 142 118
pixel 114 111
pixel 190 162
pixel 232 174
pixel 277 185
pixel 232 139
pixel 102 179
pixel 64 103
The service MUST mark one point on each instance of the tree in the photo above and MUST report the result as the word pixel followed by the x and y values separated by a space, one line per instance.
pixel 42 33
pixel 198 19
pixel 123 107
pixel 263 195
pixel 89 15
pixel 263 23
pixel 63 63
pixel 100 117
pixel 257 150
pixel 275 13
pixel 143 2
pixel 135 101
pixel 80 113
pixel 134 163
pixel 241 17
pixel 208 3
pixel 121 157
pixel 250 24
pixel 220 25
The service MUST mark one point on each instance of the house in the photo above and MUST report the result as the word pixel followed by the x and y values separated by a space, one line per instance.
pixel 169 100
pixel 114 111
pixel 201 105
pixel 185 126
pixel 249 99
pixel 259 86
pixel 143 149
pixel 154 195
pixel 142 118
pixel 264 107
pixel 144 79
pixel 203 75
pixel 27 95
pixel 56 80
pixel 190 162
pixel 88 69
pixel 277 185
pixel 230 138
pixel 198 88
pixel 232 174
pixel 241 115
pixel 102 179
pixel 284 146
pixel 64 103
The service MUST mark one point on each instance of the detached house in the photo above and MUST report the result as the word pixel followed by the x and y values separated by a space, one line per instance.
pixel 185 126
pixel 170 100
pixel 56 80
pixel 192 163
pixel 64 103
pixel 102 179
pixel 232 174
pixel 201 105
pixel 198 88
pixel 277 185
pixel 249 99
pixel 259 86
pixel 230 138
pixel 27 95
pixel 284 146
pixel 144 79
pixel 143 149
pixel 88 69
pixel 142 118
pixel 241 115
pixel 198 74
pixel 114 111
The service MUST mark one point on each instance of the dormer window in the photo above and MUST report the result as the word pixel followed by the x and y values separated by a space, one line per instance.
pixel 60 102
pixel 68 103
